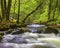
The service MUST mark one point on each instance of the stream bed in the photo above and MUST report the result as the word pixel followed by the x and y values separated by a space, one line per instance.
pixel 31 39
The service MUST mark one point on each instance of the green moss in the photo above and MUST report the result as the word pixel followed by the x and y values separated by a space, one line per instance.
pixel 1 35
pixel 9 31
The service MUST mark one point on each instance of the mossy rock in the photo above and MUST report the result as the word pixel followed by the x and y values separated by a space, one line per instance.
pixel 20 31
pixel 13 26
pixel 1 34
pixel 9 31
pixel 3 27
pixel 24 29
pixel 0 38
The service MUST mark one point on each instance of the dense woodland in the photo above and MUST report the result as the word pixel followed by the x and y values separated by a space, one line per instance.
pixel 21 12
pixel 29 23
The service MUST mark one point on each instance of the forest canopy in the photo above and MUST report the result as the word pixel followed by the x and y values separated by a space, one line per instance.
pixel 30 11
pixel 48 10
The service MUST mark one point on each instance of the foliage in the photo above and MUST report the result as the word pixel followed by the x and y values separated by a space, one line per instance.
pixel 42 13
pixel 48 10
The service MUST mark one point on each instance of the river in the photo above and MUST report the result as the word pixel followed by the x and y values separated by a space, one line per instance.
pixel 31 39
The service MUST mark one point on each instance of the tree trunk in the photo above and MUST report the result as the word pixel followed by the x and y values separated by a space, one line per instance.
pixel 14 7
pixel 5 9
pixel 54 10
pixel 18 11
pixel 8 9
pixel 49 10
pixel 2 8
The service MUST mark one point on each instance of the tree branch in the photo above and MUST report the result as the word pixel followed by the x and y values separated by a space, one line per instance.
pixel 32 12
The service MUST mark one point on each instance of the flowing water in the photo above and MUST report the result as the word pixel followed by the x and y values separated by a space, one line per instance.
pixel 30 39
pixel 36 28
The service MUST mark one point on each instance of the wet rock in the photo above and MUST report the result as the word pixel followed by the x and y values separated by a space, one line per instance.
pixel 51 30
pixel 32 40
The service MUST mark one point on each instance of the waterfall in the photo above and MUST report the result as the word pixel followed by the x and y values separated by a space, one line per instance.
pixel 36 28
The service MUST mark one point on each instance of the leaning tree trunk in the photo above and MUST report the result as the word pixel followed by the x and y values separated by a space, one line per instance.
pixel 32 12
